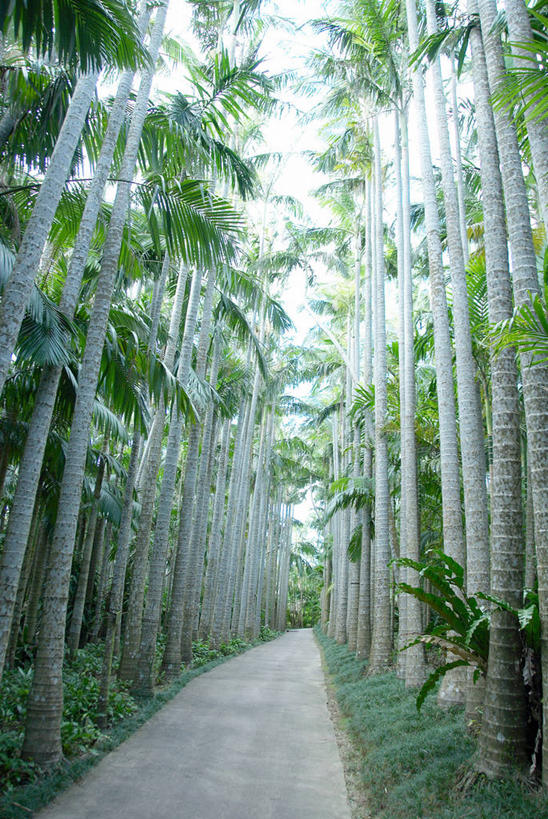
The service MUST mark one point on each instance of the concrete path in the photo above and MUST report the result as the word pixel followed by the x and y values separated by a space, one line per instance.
pixel 251 739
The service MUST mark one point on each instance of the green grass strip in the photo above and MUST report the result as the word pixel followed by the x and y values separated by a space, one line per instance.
pixel 23 802
pixel 410 760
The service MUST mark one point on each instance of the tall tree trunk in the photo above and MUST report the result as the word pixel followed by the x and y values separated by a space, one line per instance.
pixel 502 738
pixel 453 536
pixel 144 674
pixel 114 610
pixel 525 283
pixel 172 658
pixel 102 583
pixel 354 434
pixel 381 641
pixel 214 545
pixel 472 445
pixel 132 637
pixel 35 596
pixel 364 611
pixel 18 288
pixel 520 32
pixel 75 627
pixel 22 588
pixel 185 595
pixel 42 731
pixel 217 633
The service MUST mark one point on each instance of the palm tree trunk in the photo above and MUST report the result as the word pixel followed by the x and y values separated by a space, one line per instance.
pixel 42 732
pixel 530 552
pixel 458 161
pixel 452 691
pixel 185 586
pixel 143 679
pixel 22 589
pixel 19 286
pixel 214 546
pixel 103 580
pixel 363 644
pixel 520 32
pixel 414 662
pixel 235 515
pixel 172 659
pixel 33 606
pixel 453 536
pixel 217 633
pixel 381 642
pixel 132 637
pixel 525 283
pixel 248 612
pixel 502 737
pixel 201 519
pixel 114 610
pixel 403 629
pixel 73 635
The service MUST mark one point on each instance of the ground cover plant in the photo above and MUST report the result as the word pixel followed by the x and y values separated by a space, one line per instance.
pixel 411 760
pixel 23 785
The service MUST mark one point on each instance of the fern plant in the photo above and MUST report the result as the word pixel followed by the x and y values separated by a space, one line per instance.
pixel 462 625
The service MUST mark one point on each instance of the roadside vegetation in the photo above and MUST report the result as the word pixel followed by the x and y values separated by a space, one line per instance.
pixel 411 761
pixel 23 785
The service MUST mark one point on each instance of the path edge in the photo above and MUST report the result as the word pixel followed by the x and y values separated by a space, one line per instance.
pixel 350 755
pixel 26 801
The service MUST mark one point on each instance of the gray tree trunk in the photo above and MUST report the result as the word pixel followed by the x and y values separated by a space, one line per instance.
pixel 114 611
pixel 381 641
pixel 75 627
pixel 18 289
pixel 214 545
pixel 520 32
pixel 132 637
pixel 502 739
pixel 42 732
pixel 453 536
pixel 415 664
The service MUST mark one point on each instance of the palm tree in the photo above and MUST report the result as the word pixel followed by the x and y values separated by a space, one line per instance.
pixel 42 735
pixel 381 641
pixel 453 536
pixel 524 51
pixel 535 379
pixel 108 36
pixel 214 543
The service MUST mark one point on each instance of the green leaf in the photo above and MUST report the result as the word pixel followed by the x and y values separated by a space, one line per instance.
pixel 430 683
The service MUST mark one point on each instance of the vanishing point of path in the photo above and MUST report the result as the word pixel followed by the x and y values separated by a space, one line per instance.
pixel 251 739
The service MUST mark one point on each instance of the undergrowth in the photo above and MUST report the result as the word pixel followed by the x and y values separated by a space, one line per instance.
pixel 411 760
pixel 24 787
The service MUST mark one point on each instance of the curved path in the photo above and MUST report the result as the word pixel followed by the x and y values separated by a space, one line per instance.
pixel 251 739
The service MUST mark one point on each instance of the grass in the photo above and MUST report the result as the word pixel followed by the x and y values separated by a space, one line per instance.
pixel 410 760
pixel 23 801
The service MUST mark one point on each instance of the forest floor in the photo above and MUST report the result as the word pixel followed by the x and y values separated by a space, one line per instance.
pixel 251 738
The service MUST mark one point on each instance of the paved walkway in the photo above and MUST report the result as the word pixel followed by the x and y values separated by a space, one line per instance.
pixel 251 739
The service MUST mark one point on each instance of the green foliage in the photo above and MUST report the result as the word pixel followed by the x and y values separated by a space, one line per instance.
pixel 202 654
pixel 24 792
pixel 79 729
pixel 461 625
pixel 410 760
pixel 527 330
pixel 90 34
